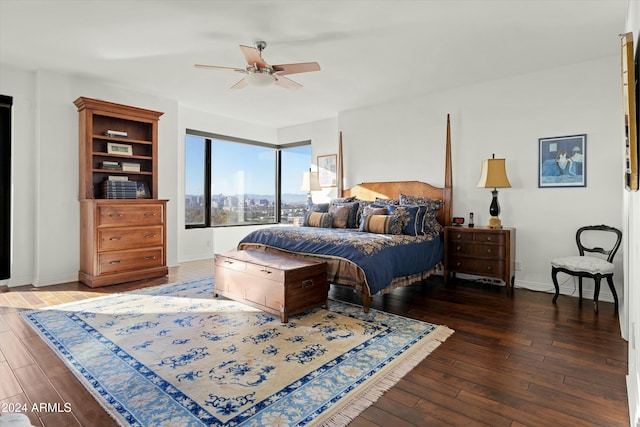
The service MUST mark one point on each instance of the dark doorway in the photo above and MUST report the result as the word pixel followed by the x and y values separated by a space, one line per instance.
pixel 6 103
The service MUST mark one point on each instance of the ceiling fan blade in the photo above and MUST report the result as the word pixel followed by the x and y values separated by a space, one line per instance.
pixel 242 83
pixel 301 67
pixel 215 67
pixel 286 83
pixel 252 56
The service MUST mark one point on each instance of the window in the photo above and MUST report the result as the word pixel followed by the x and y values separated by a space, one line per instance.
pixel 230 181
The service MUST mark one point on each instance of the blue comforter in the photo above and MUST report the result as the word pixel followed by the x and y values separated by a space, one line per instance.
pixel 382 257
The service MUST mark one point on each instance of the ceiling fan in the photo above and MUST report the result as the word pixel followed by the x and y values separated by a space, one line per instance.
pixel 259 73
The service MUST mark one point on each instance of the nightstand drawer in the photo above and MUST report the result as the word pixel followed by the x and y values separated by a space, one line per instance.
pixel 477 266
pixel 485 237
pixel 485 251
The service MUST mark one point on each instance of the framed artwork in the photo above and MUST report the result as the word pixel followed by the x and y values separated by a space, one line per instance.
pixel 142 190
pixel 629 112
pixel 327 167
pixel 115 148
pixel 562 161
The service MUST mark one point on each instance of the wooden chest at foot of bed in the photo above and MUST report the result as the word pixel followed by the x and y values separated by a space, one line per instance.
pixel 275 283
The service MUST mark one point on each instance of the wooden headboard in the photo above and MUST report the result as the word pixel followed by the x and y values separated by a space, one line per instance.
pixel 392 189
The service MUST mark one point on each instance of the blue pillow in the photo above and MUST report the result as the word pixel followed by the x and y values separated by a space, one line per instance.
pixel 411 217
pixel 352 220
pixel 381 224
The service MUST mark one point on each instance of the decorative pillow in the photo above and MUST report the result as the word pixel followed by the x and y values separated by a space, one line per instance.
pixel 353 212
pixel 344 199
pixel 381 224
pixel 412 218
pixel 319 207
pixel 318 219
pixel 430 223
pixel 386 202
pixel 341 215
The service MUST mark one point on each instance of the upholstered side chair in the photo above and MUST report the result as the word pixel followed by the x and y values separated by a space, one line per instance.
pixel 593 267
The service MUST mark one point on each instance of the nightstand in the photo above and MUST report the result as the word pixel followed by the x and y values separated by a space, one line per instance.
pixel 480 251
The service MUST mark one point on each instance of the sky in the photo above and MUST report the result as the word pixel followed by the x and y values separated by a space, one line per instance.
pixel 255 174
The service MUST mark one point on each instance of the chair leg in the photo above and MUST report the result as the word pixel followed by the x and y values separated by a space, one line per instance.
pixel 613 291
pixel 554 272
pixel 580 290
pixel 596 293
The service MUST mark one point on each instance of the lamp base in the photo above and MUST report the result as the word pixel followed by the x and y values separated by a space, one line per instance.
pixel 494 222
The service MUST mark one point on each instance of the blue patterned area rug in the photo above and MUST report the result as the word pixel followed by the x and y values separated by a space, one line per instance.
pixel 175 356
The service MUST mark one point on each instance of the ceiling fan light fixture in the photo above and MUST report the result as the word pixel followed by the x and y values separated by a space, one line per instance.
pixel 260 79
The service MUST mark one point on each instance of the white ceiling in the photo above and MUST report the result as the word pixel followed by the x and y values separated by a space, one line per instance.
pixel 369 51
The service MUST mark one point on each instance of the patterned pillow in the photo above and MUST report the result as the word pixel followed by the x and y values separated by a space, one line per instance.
pixel 344 199
pixel 318 219
pixel 340 215
pixel 430 223
pixel 381 224
pixel 353 212
pixel 386 202
pixel 412 218
pixel 319 207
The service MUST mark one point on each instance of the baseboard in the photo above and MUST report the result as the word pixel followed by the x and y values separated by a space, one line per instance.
pixel 569 288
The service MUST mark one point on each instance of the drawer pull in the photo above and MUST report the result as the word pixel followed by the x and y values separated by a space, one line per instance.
pixel 149 214
pixel 117 215
pixel 265 271
pixel 150 257
pixel 489 251
pixel 149 236
pixel 115 238
pixel 458 264
pixel 307 283
pixel 489 268
pixel 115 262
pixel 458 248
pixel 458 236
pixel 489 239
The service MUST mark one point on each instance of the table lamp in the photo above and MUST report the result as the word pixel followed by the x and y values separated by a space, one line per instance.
pixel 310 182
pixel 494 175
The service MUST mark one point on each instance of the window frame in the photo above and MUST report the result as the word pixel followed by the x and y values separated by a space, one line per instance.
pixel 208 152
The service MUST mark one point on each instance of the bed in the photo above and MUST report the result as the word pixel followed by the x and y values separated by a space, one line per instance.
pixel 370 262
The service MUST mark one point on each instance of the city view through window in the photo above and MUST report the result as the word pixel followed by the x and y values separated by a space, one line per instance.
pixel 243 182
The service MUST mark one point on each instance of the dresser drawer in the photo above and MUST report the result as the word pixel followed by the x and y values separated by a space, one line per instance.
pixel 127 260
pixel 117 238
pixel 478 250
pixel 488 237
pixel 113 215
pixel 459 236
pixel 482 267
pixel 265 272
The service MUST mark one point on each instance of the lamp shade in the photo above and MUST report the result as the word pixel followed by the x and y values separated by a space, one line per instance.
pixel 310 182
pixel 494 174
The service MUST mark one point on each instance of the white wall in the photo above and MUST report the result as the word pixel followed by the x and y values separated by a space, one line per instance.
pixel 46 232
pixel 405 141
pixel 632 255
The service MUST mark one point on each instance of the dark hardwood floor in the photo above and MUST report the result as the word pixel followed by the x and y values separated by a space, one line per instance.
pixel 512 361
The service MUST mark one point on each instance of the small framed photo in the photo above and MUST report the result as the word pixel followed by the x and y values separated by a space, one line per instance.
pixel 562 161
pixel 115 148
pixel 327 167
pixel 142 190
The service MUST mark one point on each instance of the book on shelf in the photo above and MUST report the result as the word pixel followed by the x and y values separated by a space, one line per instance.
pixel 110 165
pixel 119 189
pixel 130 167
pixel 116 133
pixel 118 178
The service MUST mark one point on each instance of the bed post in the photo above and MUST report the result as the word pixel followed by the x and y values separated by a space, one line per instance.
pixel 447 192
pixel 340 177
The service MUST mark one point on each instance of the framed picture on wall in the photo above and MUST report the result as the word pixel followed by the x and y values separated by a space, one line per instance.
pixel 327 167
pixel 562 161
